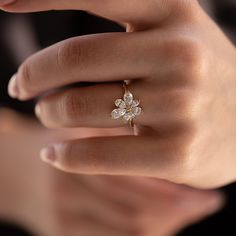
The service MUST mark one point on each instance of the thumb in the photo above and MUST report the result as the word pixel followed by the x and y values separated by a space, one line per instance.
pixel 177 212
pixel 194 207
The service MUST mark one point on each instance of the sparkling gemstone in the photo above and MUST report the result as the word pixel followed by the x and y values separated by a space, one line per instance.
pixel 136 111
pixel 120 103
pixel 128 98
pixel 135 103
pixel 117 113
pixel 128 116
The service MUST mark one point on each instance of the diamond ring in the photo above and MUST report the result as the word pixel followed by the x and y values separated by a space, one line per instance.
pixel 127 108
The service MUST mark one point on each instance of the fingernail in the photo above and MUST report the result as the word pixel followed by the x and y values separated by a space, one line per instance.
pixel 38 110
pixel 13 88
pixel 6 2
pixel 48 155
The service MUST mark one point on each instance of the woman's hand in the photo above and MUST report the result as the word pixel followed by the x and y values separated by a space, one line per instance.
pixel 181 67
pixel 50 202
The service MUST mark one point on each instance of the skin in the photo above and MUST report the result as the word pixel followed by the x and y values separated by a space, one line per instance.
pixel 181 67
pixel 50 202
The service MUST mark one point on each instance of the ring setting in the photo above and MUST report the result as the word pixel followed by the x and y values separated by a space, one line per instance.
pixel 127 108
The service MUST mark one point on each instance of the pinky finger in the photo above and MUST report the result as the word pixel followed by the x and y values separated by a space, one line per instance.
pixel 91 227
pixel 123 155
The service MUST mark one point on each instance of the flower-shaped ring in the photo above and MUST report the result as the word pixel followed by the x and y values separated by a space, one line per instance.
pixel 127 108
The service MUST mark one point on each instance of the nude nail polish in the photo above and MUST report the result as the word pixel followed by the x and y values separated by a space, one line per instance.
pixel 13 88
pixel 38 111
pixel 48 155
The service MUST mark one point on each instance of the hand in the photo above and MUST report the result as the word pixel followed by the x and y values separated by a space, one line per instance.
pixel 118 206
pixel 182 68
pixel 50 202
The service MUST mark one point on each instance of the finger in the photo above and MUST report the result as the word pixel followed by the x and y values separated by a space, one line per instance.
pixel 92 107
pixel 176 213
pixel 122 190
pixel 75 196
pixel 100 58
pixel 109 211
pixel 135 191
pixel 122 10
pixel 128 155
pixel 159 201
pixel 74 225
pixel 84 107
pixel 93 58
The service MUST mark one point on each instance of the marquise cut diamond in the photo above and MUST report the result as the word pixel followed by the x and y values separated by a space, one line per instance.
pixel 128 98
pixel 117 113
pixel 127 108
pixel 120 103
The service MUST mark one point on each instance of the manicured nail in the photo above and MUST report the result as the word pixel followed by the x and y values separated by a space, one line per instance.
pixel 48 155
pixel 13 88
pixel 38 110
pixel 6 2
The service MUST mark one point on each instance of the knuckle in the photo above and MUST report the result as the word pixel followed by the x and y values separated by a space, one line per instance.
pixel 190 56
pixel 92 154
pixel 188 107
pixel 191 51
pixel 70 161
pixel 187 9
pixel 70 53
pixel 74 108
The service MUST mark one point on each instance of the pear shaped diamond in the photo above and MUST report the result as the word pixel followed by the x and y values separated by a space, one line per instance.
pixel 117 113
pixel 135 103
pixel 128 108
pixel 136 111
pixel 120 103
pixel 128 98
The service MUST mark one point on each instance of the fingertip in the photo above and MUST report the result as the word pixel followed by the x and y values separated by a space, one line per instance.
pixel 38 111
pixel 48 155
pixel 13 89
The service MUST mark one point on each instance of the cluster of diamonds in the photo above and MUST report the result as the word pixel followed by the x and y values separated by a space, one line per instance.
pixel 127 108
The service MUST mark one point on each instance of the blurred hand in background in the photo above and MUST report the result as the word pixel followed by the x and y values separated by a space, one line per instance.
pixel 48 202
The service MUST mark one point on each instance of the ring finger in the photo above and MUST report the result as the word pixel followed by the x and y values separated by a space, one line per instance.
pixel 91 106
